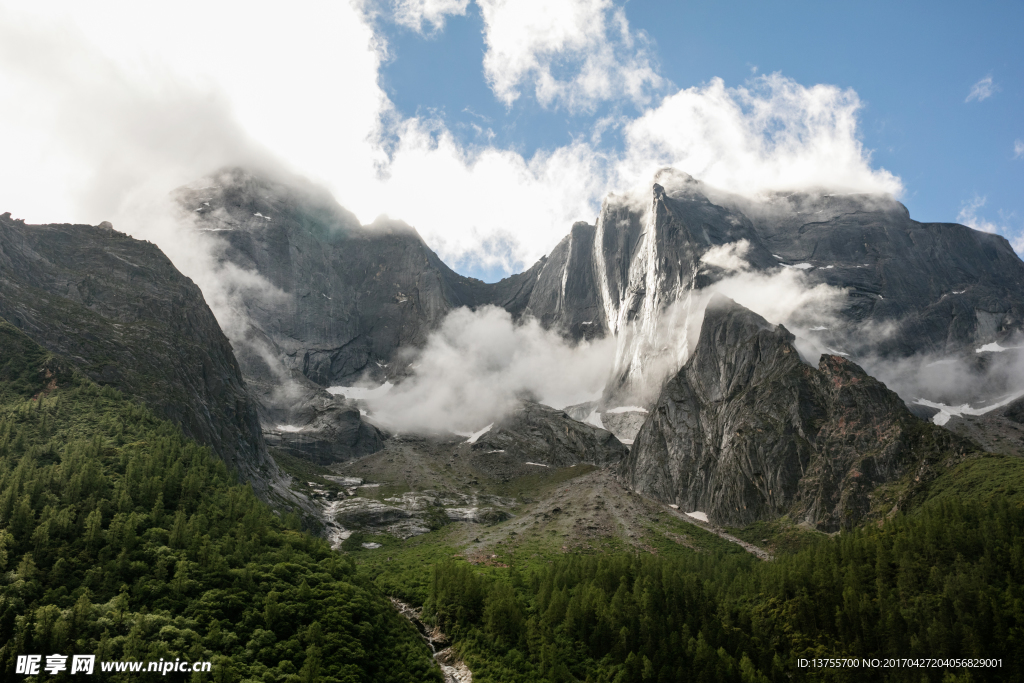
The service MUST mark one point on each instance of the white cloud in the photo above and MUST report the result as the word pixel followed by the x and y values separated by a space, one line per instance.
pixel 123 93
pixel 532 43
pixel 982 90
pixel 728 257
pixel 773 134
pixel 125 101
pixel 1018 149
pixel 970 217
pixel 415 14
pixel 479 364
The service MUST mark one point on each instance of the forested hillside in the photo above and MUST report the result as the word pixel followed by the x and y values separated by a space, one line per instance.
pixel 121 538
pixel 944 582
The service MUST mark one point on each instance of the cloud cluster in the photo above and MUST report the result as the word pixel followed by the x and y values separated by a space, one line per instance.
pixel 126 101
pixel 479 364
pixel 977 379
pixel 772 134
pixel 416 14
pixel 982 90
pixel 532 43
pixel 1018 149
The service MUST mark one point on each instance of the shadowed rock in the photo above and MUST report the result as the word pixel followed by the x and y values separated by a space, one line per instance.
pixel 540 434
pixel 119 310
pixel 746 431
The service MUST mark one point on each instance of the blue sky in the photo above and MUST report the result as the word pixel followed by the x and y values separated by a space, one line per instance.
pixel 492 126
pixel 913 66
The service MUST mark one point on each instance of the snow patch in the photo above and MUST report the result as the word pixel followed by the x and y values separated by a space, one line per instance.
pixel 801 266
pixel 819 327
pixel 946 412
pixel 626 442
pixel 475 435
pixel 827 267
pixel 673 506
pixel 594 419
pixel 627 409
pixel 538 464
pixel 697 514
pixel 778 257
pixel 362 393
pixel 994 347
pixel 289 428
pixel 835 352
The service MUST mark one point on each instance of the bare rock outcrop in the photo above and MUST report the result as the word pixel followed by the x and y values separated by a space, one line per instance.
pixel 747 431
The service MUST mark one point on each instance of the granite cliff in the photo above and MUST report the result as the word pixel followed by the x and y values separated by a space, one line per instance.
pixel 119 310
pixel 747 431
pixel 907 287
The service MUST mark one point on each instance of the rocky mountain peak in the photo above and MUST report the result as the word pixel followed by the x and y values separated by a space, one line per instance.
pixel 736 348
pixel 746 431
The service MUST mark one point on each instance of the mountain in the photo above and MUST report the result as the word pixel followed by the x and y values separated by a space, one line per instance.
pixel 345 297
pixel 910 287
pixel 747 431
pixel 338 302
pixel 543 436
pixel 120 311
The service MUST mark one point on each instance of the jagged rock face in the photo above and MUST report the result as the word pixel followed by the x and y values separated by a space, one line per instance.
pixel 118 309
pixel 342 300
pixel 348 296
pixel 540 434
pixel 565 295
pixel 746 431
pixel 317 426
pixel 935 287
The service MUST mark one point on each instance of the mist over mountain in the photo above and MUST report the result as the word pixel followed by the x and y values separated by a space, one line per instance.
pixel 337 303
pixel 319 309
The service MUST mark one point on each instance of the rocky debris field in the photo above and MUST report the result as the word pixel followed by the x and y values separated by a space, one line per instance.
pixel 491 507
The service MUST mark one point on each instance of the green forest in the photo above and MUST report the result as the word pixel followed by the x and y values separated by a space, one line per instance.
pixel 947 581
pixel 123 539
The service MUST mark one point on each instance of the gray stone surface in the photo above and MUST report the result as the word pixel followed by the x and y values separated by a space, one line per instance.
pixel 747 431
pixel 911 287
pixel 123 314
pixel 540 434
pixel 352 295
